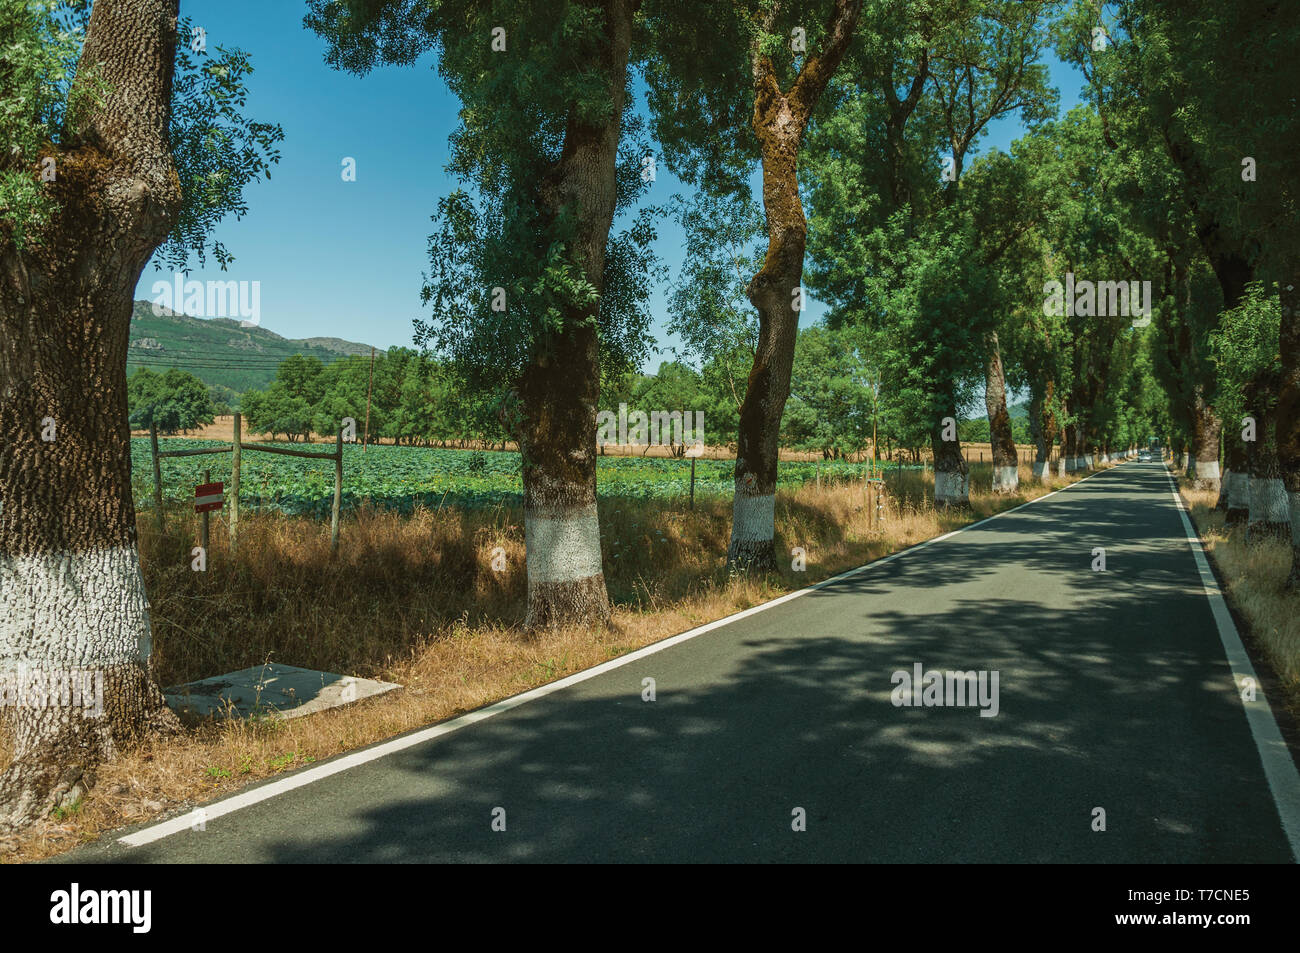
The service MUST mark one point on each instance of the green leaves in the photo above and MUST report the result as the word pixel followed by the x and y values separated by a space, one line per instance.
pixel 1244 345
pixel 38 50
pixel 218 150
pixel 175 400
pixel 538 86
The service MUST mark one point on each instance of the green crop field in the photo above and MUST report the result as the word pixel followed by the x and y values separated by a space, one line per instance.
pixel 403 478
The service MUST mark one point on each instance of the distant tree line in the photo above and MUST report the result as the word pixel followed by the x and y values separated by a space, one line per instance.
pixel 415 400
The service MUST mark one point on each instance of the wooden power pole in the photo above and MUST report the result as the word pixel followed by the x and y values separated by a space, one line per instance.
pixel 365 438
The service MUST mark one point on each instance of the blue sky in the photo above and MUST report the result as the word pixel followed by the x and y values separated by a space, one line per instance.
pixel 346 259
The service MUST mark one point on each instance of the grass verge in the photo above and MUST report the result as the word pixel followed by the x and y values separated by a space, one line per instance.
pixel 1253 577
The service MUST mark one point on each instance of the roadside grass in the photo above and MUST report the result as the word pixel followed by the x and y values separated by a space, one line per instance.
pixel 414 600
pixel 1253 576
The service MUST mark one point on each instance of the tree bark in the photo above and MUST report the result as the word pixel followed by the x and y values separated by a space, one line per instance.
pixel 1225 482
pixel 560 389
pixel 1287 414
pixel 1205 444
pixel 1269 515
pixel 951 471
pixel 1042 425
pixel 1037 434
pixel 1006 464
pixel 72 601
pixel 778 123
pixel 1062 464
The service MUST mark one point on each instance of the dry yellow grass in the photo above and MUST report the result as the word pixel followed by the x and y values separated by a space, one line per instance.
pixel 1254 580
pixel 413 600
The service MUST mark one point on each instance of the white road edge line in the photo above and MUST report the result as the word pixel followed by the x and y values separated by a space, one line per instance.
pixel 1279 770
pixel 345 762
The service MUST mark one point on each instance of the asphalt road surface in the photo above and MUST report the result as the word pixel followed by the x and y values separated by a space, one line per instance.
pixel 1114 692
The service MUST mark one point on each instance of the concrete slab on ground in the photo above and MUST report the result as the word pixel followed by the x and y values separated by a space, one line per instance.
pixel 280 690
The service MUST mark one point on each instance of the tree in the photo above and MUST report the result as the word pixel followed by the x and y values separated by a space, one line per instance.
pixel 985 69
pixel 769 61
pixel 1244 349
pixel 342 388
pixel 1214 83
pixel 830 406
pixel 1133 89
pixel 176 400
pixel 528 289
pixel 94 180
pixel 291 404
pixel 894 236
pixel 708 307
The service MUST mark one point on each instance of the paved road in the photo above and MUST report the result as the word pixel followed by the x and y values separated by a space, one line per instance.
pixel 1113 692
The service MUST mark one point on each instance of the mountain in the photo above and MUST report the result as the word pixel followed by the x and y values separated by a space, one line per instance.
pixel 220 351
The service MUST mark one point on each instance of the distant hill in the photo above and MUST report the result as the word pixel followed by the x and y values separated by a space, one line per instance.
pixel 219 351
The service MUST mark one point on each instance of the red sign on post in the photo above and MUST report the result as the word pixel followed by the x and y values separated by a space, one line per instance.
pixel 207 497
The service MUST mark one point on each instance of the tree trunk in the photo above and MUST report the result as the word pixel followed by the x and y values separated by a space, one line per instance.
pixel 1225 492
pixel 1269 513
pixel 1062 464
pixel 1287 414
pixel 72 603
pixel 1205 444
pixel 778 123
pixel 1070 446
pixel 560 389
pixel 557 441
pixel 951 471
pixel 1036 434
pixel 1006 469
pixel 1042 427
pixel 1226 440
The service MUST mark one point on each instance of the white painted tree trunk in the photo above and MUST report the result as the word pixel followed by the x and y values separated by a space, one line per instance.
pixel 563 561
pixel 74 652
pixel 84 609
pixel 753 527
pixel 951 488
pixel 1238 496
pixel 1269 509
pixel 1006 479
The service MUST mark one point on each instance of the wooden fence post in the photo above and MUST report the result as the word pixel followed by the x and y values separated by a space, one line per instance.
pixel 338 491
pixel 692 483
pixel 234 485
pixel 157 476
pixel 203 522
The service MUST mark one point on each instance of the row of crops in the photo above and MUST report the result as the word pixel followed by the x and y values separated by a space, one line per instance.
pixel 404 478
